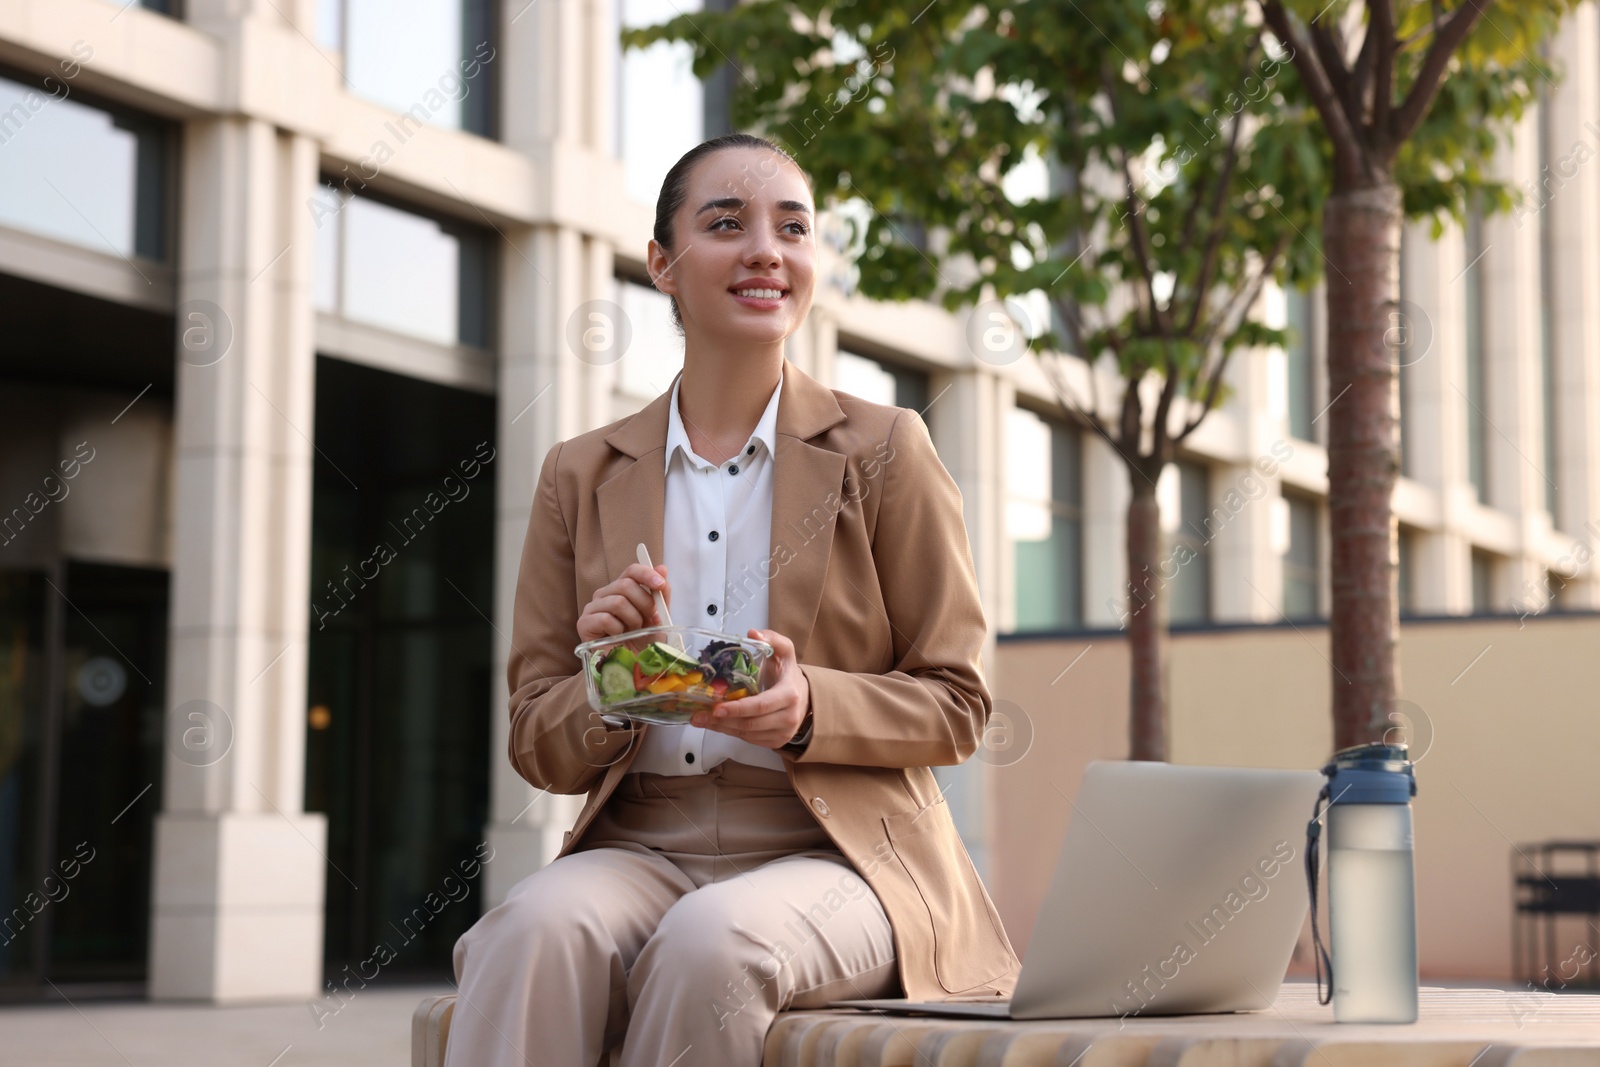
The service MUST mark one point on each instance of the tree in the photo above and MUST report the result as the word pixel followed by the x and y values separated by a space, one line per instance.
pixel 1185 182
pixel 1411 112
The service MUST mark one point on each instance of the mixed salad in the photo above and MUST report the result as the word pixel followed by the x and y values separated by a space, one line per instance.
pixel 724 671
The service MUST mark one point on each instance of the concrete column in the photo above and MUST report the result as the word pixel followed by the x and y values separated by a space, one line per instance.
pixel 1427 408
pixel 966 420
pixel 551 85
pixel 544 398
pixel 1575 293
pixel 598 103
pixel 1105 520
pixel 1246 505
pixel 1513 394
pixel 239 867
pixel 1246 554
pixel 1437 416
pixel 598 379
pixel 212 15
pixel 823 350
pixel 557 85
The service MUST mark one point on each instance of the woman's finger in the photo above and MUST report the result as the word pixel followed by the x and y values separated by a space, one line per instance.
pixel 626 610
pixel 609 616
pixel 782 647
pixel 628 603
pixel 750 706
pixel 647 581
pixel 638 583
pixel 629 590
pixel 594 625
pixel 640 600
pixel 746 729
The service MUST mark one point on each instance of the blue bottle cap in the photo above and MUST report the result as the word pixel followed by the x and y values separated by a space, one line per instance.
pixel 1376 773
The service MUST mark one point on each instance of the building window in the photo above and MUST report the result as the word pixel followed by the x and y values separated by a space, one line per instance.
pixel 1301 560
pixel 1476 419
pixel 429 60
pixel 1301 360
pixel 1190 588
pixel 94 177
pixel 880 382
pixel 385 266
pixel 1044 520
pixel 1482 582
pixel 654 354
pixel 661 105
pixel 1406 578
pixel 1547 323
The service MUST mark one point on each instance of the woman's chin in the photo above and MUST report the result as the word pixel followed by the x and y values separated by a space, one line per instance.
pixel 772 331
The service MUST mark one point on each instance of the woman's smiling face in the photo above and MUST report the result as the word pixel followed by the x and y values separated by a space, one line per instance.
pixel 744 258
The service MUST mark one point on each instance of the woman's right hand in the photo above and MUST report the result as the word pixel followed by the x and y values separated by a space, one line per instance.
pixel 626 604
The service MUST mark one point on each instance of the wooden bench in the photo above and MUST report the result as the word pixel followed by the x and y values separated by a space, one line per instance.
pixel 1456 1028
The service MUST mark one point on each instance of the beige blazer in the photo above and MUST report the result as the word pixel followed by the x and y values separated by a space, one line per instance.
pixel 871 576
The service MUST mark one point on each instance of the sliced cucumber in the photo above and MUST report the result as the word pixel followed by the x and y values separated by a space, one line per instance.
pixel 674 659
pixel 616 683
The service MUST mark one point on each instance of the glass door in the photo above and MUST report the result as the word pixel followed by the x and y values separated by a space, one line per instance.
pixel 23 673
pixel 82 670
pixel 397 723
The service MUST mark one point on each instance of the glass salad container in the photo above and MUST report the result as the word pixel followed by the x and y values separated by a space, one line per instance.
pixel 666 674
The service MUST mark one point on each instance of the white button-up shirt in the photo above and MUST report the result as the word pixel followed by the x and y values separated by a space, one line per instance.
pixel 717 526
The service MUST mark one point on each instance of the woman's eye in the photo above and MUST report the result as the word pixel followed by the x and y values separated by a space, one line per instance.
pixel 725 218
pixel 800 228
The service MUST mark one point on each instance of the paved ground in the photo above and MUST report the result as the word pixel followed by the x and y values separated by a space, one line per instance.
pixel 372 1030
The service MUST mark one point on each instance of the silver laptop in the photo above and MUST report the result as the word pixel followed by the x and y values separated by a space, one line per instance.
pixel 1179 890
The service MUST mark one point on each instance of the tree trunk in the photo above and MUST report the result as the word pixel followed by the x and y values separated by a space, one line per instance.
pixel 1147 625
pixel 1361 238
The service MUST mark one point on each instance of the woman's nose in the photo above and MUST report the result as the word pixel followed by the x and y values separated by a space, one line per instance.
pixel 762 250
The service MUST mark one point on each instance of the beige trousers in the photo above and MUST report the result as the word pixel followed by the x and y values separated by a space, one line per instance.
pixel 694 910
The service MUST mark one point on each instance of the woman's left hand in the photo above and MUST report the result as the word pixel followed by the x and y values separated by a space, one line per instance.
pixel 771 717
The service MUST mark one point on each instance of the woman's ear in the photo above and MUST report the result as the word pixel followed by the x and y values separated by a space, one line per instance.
pixel 658 263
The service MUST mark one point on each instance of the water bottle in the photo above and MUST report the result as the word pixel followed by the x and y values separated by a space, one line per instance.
pixel 1372 907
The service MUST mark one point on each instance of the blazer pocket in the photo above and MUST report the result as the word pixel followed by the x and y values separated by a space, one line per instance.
pixel 965 955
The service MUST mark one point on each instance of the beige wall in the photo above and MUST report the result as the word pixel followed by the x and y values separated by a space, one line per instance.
pixel 1515 738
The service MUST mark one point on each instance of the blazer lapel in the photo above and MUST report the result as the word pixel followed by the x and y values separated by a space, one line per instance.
pixel 632 503
pixel 807 487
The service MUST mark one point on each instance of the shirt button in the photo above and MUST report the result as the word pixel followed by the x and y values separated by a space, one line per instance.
pixel 820 805
pixel 711 609
pixel 733 469
pixel 713 535
pixel 750 451
pixel 688 757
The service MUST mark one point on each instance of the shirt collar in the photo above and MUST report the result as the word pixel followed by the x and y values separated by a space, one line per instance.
pixel 766 431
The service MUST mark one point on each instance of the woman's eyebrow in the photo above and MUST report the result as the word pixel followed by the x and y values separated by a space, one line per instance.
pixel 737 204
pixel 720 204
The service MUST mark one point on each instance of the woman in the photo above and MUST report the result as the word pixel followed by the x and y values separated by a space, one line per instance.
pixel 791 847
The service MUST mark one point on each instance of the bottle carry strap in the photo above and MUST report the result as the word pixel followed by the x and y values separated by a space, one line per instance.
pixel 1319 952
